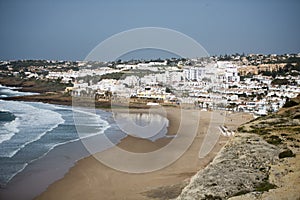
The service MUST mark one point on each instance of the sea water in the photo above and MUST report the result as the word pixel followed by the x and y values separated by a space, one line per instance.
pixel 30 130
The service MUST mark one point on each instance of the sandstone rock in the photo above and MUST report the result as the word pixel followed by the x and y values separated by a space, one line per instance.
pixel 239 168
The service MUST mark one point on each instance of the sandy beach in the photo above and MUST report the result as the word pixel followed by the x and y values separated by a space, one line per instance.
pixel 90 179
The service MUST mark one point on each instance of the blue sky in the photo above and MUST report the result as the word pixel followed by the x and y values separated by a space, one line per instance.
pixel 70 29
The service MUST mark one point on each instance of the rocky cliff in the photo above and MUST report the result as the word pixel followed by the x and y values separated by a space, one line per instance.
pixel 260 162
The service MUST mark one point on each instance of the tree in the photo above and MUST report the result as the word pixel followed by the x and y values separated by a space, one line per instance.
pixel 168 90
pixel 280 82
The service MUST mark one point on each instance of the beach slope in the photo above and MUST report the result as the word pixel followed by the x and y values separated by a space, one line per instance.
pixel 90 179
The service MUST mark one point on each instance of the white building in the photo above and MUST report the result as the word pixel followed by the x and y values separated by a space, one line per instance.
pixel 227 72
pixel 194 73
pixel 131 81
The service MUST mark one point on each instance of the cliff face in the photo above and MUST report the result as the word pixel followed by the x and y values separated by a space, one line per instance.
pixel 260 162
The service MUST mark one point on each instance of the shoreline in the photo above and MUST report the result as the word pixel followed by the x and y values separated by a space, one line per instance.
pixel 93 180
pixel 172 177
pixel 38 175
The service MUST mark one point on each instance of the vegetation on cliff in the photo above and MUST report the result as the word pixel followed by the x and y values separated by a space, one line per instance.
pixel 261 162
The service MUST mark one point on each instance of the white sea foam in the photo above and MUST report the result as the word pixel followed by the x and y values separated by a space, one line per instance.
pixel 9 129
pixel 33 124
pixel 12 153
pixel 20 170
pixel 56 145
pixel 34 120
pixel 81 121
pixel 12 91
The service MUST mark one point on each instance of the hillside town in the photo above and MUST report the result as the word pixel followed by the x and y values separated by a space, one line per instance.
pixel 259 84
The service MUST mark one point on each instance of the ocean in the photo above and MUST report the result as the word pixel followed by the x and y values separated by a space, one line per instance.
pixel 30 130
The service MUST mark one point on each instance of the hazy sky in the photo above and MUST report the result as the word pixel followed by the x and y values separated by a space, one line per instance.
pixel 70 29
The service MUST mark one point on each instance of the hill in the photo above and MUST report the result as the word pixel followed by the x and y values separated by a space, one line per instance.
pixel 260 162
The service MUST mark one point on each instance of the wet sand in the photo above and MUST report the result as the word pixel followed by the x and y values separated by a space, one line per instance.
pixel 90 179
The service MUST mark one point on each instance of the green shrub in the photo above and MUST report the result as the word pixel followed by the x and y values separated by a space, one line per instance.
pixel 290 103
pixel 242 192
pixel 241 129
pixel 211 197
pixel 296 117
pixel 286 154
pixel 274 139
pixel 265 186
